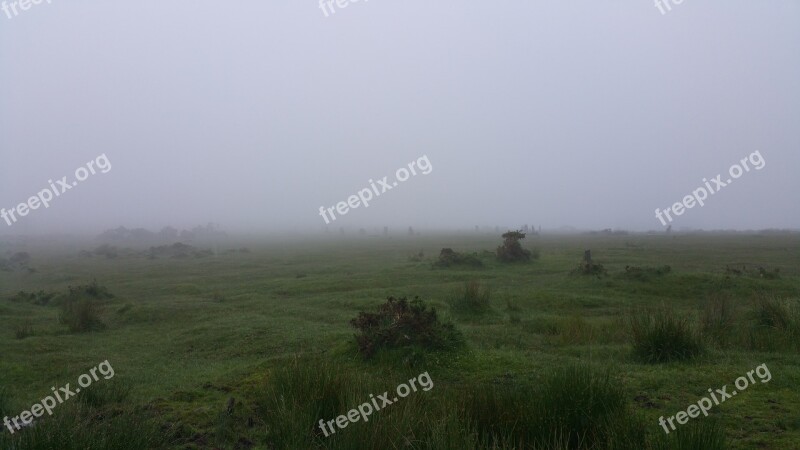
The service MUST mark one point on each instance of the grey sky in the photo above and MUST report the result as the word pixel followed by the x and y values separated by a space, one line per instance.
pixel 254 114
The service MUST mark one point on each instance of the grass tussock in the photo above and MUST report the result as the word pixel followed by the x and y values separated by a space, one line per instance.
pixel 77 427
pixel 774 324
pixel 24 330
pixel 705 434
pixel 80 309
pixel 473 298
pixel 718 320
pixel 663 336
pixel 575 407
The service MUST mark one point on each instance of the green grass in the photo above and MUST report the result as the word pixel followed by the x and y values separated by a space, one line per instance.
pixel 185 336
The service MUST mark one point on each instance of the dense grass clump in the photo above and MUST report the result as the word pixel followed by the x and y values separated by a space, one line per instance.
pixel 5 401
pixel 76 427
pixel 448 258
pixel 23 330
pixel 718 320
pixel 663 336
pixel 704 433
pixel 774 324
pixel 472 298
pixel 399 323
pixel 80 309
pixel 574 407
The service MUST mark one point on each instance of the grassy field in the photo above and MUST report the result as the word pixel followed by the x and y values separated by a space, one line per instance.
pixel 251 349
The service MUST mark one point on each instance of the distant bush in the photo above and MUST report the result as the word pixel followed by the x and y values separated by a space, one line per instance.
pixel 767 275
pixel 419 257
pixel 399 323
pixel 109 251
pixel 511 250
pixel 589 268
pixel 645 273
pixel 472 298
pixel 448 258
pixel 37 298
pixel 663 336
pixel 91 290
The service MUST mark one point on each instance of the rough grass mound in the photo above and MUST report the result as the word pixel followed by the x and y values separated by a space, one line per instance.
pixel 400 323
pixel 472 298
pixel 663 336
pixel 80 310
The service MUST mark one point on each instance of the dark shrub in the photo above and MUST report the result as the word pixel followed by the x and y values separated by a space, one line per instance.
pixel 663 336
pixel 20 258
pixel 403 324
pixel 472 298
pixel 448 258
pixel 109 251
pixel 511 250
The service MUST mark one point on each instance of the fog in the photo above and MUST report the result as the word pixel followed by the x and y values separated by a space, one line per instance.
pixel 253 115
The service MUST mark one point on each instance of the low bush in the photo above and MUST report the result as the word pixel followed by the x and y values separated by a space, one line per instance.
pixel 663 336
pixel 449 258
pixel 472 298
pixel 399 323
